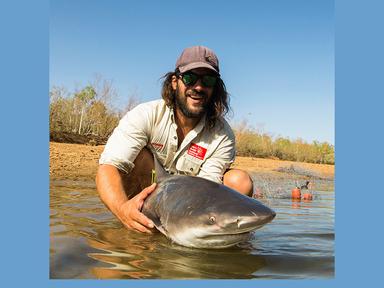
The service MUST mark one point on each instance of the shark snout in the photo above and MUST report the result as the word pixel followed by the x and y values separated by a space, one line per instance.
pixel 254 220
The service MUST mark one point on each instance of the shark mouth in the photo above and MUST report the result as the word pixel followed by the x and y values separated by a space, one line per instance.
pixel 222 240
pixel 230 232
pixel 213 238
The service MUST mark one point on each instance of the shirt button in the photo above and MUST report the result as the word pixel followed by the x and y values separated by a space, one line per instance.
pixel 191 169
pixel 175 137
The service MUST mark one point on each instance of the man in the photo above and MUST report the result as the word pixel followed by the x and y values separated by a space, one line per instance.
pixel 185 131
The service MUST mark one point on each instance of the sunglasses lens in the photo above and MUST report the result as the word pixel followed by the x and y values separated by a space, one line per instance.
pixel 189 79
pixel 209 81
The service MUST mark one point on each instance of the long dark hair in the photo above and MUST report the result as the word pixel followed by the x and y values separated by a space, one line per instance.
pixel 218 106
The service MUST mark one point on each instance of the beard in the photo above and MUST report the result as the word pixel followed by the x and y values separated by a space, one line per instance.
pixel 189 111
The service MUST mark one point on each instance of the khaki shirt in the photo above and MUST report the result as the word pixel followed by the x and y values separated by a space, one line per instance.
pixel 204 152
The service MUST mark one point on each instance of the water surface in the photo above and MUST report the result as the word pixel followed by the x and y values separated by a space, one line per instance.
pixel 86 241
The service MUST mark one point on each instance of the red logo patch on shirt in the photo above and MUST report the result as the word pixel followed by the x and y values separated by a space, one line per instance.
pixel 197 151
pixel 157 146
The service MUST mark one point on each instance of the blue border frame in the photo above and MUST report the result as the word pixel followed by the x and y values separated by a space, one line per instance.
pixel 25 169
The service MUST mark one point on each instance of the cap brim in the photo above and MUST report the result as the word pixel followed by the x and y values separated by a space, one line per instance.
pixel 196 65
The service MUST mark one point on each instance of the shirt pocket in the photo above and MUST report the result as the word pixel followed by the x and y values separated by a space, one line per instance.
pixel 188 165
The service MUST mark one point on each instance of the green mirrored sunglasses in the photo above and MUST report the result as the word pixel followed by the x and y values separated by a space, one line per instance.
pixel 190 79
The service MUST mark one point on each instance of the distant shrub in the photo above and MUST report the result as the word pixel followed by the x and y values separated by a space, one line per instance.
pixel 253 144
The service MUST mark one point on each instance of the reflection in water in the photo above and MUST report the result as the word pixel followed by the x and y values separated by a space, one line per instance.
pixel 134 255
pixel 88 242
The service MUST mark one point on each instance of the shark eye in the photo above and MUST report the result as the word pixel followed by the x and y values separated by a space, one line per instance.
pixel 212 220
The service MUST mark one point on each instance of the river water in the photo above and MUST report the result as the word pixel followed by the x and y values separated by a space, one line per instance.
pixel 87 242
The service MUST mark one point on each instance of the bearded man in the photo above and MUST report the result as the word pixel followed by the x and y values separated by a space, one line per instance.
pixel 185 130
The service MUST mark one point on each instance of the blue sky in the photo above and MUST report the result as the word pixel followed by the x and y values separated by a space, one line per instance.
pixel 276 57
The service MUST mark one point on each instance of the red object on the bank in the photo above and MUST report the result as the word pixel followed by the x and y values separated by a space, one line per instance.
pixel 296 193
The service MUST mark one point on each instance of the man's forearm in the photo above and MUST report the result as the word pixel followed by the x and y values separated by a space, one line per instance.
pixel 110 186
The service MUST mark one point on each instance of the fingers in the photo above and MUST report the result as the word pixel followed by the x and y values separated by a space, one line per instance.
pixel 138 221
pixel 139 198
pixel 131 216
pixel 138 227
pixel 146 191
pixel 143 220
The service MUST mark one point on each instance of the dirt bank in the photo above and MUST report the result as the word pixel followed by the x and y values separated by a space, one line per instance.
pixel 79 162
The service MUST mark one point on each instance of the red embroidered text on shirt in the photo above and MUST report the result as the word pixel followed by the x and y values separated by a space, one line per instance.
pixel 157 146
pixel 197 151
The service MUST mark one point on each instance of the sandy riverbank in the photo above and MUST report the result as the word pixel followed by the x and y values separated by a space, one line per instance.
pixel 79 162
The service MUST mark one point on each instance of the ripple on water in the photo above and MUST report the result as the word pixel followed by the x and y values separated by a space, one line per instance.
pixel 88 242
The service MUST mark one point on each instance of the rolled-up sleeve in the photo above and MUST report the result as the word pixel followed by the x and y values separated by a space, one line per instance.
pixel 127 140
pixel 220 160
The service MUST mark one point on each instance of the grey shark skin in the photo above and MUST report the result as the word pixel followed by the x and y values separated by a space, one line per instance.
pixel 196 212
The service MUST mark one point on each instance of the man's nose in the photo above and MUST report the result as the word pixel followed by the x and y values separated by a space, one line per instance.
pixel 198 85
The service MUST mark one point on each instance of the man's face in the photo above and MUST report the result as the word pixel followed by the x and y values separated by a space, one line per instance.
pixel 193 100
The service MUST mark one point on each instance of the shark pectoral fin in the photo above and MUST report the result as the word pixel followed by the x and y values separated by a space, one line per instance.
pixel 158 225
pixel 161 229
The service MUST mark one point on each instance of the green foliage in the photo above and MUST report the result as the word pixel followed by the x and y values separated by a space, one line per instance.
pixel 86 95
pixel 254 144
pixel 85 112
pixel 88 112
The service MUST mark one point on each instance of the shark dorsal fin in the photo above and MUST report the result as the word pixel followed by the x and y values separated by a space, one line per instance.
pixel 161 174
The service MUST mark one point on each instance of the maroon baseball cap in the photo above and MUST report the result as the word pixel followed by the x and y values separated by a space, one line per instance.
pixel 197 57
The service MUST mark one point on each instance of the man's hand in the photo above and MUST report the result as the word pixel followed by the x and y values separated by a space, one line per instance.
pixel 109 182
pixel 129 212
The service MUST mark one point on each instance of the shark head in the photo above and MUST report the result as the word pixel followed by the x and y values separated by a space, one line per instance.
pixel 216 217
pixel 195 212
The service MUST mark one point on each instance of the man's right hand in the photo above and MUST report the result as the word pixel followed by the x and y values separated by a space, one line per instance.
pixel 129 212
pixel 110 186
